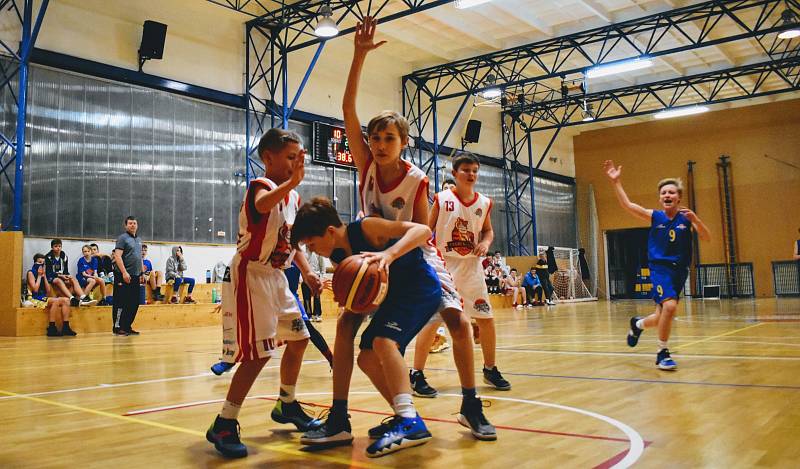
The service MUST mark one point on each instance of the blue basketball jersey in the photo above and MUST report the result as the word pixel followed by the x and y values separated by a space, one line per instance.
pixel 670 241
pixel 409 271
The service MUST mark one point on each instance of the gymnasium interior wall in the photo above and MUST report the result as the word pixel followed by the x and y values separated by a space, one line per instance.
pixel 763 143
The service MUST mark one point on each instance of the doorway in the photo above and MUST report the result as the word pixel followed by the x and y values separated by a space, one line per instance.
pixel 626 256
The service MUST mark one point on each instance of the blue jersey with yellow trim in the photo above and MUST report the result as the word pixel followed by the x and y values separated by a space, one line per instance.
pixel 670 241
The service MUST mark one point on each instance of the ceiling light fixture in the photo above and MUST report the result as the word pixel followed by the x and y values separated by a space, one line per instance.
pixel 789 18
pixel 680 112
pixel 587 113
pixel 493 91
pixel 461 4
pixel 618 67
pixel 326 26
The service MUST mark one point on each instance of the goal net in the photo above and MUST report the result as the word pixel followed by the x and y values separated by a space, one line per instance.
pixel 568 285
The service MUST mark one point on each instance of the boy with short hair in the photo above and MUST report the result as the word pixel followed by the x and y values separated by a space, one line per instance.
pixel 460 219
pixel 57 271
pixel 669 252
pixel 87 274
pixel 257 307
pixel 39 289
pixel 393 189
pixel 154 278
pixel 413 296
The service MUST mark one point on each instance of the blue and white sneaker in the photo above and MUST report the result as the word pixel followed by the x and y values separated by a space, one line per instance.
pixel 664 361
pixel 634 332
pixel 404 433
pixel 221 367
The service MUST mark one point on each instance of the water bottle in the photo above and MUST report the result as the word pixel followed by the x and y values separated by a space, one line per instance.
pixel 213 295
pixel 208 276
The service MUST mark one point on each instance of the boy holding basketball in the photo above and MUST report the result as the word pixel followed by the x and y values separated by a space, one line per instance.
pixel 413 296
pixel 258 309
pixel 393 189
pixel 463 232
pixel 669 251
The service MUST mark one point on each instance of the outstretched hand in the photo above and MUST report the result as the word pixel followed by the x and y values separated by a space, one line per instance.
pixel 298 169
pixel 365 36
pixel 613 173
pixel 689 214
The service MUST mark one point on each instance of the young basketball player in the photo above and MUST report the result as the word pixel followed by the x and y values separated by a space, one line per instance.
pixel 258 309
pixel 669 251
pixel 413 297
pixel 393 189
pixel 440 343
pixel 463 232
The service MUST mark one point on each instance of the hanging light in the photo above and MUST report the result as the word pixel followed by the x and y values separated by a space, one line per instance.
pixel 618 67
pixel 587 113
pixel 326 26
pixel 789 18
pixel 461 4
pixel 492 92
pixel 682 111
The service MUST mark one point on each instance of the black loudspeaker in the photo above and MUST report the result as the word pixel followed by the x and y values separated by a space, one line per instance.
pixel 473 132
pixel 153 36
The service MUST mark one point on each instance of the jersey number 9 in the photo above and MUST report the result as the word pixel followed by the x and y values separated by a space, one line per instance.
pixel 660 290
pixel 672 236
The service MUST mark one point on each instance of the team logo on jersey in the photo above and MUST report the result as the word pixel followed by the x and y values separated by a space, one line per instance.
pixel 463 240
pixel 398 203
pixel 681 226
pixel 282 247
pixel 482 306
pixel 478 212
pixel 298 325
pixel 661 226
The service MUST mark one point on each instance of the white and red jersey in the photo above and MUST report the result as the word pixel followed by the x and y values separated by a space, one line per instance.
pixel 265 238
pixel 459 225
pixel 394 202
pixel 397 202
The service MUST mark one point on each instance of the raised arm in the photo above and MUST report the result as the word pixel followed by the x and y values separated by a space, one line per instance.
pixel 364 42
pixel 265 199
pixel 614 175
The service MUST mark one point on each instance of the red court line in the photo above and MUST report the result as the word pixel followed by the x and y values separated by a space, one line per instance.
pixel 609 463
pixel 388 414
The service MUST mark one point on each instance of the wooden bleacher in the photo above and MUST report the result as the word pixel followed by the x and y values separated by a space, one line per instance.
pixel 16 321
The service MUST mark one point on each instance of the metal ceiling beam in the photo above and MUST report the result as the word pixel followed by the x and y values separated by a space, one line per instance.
pixel 573 53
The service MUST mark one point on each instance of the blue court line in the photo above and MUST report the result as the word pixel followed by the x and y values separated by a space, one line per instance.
pixel 639 380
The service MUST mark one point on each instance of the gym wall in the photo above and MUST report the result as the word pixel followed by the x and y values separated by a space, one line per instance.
pixel 766 191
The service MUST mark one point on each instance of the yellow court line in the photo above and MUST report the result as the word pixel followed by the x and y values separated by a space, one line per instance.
pixel 285 448
pixel 681 346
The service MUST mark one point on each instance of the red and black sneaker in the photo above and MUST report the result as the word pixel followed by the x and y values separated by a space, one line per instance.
pixel 224 433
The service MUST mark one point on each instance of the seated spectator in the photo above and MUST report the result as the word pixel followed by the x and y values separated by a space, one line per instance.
pixel 513 286
pixel 176 266
pixel 57 273
pixel 500 261
pixel 87 275
pixel 154 278
pixel 533 288
pixel 40 289
pixel 492 281
pixel 105 264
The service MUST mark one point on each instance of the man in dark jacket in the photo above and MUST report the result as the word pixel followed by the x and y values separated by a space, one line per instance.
pixel 543 272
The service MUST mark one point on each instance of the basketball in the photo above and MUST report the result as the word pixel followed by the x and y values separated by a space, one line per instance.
pixel 358 286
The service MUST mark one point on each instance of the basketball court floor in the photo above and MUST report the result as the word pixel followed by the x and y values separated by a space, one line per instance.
pixel 580 396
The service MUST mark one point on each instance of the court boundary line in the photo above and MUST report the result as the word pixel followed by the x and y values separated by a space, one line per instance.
pixel 682 346
pixel 274 447
pixel 632 354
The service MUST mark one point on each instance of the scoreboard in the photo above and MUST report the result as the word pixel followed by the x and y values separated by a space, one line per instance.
pixel 331 147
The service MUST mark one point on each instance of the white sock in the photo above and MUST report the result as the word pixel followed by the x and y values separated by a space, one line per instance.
pixel 404 406
pixel 230 410
pixel 662 344
pixel 287 393
pixel 640 323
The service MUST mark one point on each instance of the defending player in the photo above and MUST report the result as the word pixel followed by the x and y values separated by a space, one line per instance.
pixel 258 309
pixel 393 189
pixel 463 233
pixel 669 250
pixel 413 297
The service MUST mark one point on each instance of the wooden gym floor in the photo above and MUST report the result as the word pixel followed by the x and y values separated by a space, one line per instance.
pixel 580 397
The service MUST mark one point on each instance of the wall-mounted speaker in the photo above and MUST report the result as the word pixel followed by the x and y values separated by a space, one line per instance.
pixel 473 132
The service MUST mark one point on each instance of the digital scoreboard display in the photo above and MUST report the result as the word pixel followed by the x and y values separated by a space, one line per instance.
pixel 330 146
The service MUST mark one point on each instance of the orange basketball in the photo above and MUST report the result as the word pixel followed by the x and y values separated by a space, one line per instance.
pixel 358 286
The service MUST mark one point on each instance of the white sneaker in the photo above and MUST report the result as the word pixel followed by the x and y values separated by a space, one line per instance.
pixel 550 302
pixel 519 306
